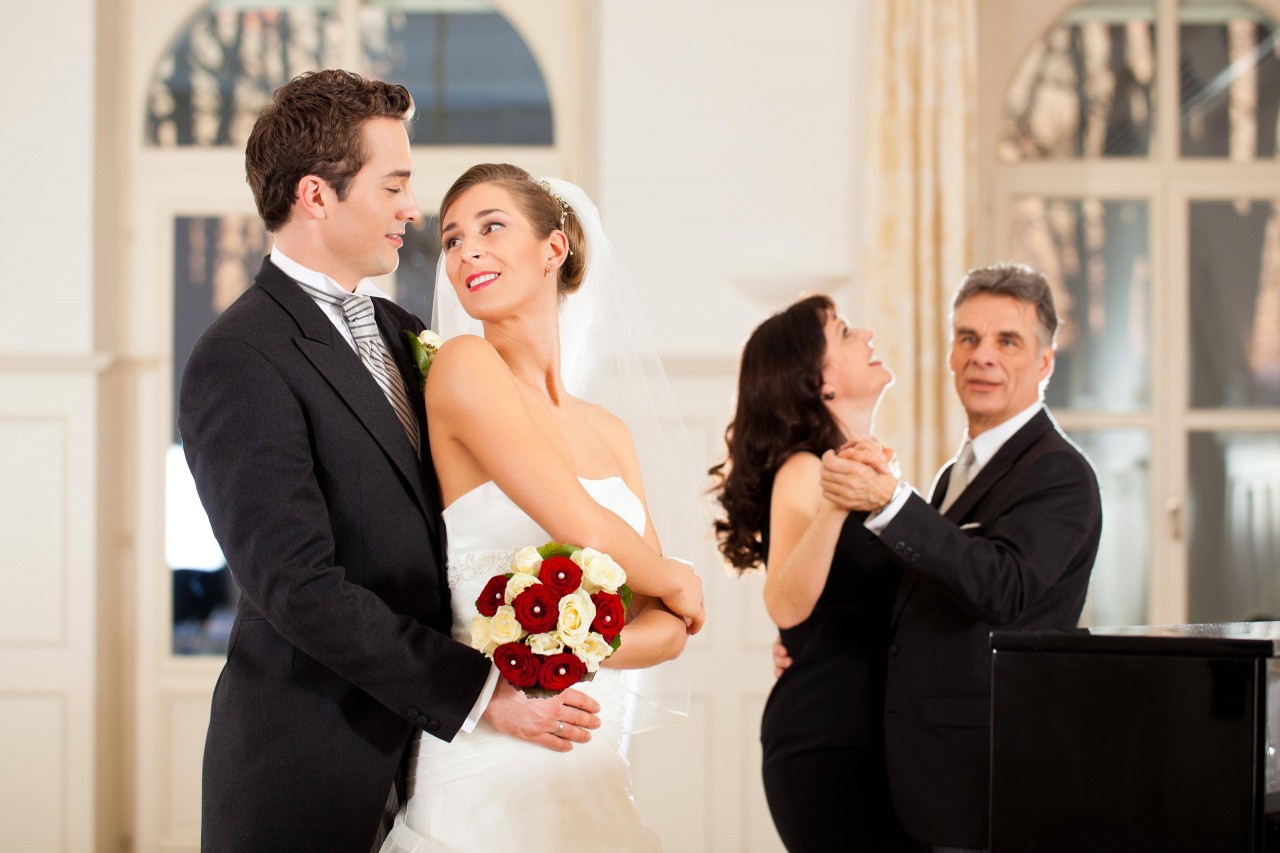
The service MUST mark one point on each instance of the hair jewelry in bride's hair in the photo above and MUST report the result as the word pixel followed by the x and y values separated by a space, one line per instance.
pixel 565 209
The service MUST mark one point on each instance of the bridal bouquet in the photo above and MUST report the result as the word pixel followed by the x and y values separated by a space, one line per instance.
pixel 549 622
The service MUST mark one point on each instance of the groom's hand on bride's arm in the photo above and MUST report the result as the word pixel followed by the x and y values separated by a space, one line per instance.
pixel 556 723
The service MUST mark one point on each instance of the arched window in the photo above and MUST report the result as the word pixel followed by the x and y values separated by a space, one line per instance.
pixel 221 69
pixel 1134 161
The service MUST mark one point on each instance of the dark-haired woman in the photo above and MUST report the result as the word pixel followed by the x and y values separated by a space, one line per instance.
pixel 808 383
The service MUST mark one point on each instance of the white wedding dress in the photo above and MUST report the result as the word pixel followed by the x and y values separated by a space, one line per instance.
pixel 487 791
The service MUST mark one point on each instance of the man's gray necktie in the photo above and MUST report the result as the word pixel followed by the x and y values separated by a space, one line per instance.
pixel 959 476
pixel 373 354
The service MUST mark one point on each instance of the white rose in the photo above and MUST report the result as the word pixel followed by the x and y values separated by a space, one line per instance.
pixel 504 627
pixel 577 612
pixel 481 636
pixel 526 561
pixel 599 571
pixel 430 339
pixel 592 650
pixel 518 583
pixel 546 644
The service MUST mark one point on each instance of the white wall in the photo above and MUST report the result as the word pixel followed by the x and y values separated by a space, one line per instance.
pixel 728 139
pixel 727 163
pixel 46 146
pixel 48 429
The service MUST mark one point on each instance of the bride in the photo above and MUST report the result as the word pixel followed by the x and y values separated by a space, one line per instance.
pixel 523 458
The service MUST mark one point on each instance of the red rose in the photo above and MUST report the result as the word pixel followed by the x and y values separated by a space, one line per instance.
pixel 610 615
pixel 517 664
pixel 559 671
pixel 537 608
pixel 493 596
pixel 561 575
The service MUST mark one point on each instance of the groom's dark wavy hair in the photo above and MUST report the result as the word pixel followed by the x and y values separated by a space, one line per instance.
pixel 780 412
pixel 314 126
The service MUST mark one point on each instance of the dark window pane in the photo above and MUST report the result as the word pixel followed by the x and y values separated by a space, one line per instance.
pixel 416 276
pixel 1096 256
pixel 1087 89
pixel 1229 80
pixel 223 66
pixel 473 79
pixel 214 260
pixel 1234 292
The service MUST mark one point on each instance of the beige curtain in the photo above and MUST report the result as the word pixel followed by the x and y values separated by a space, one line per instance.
pixel 918 215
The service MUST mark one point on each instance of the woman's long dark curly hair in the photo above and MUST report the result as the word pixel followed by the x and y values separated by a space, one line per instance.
pixel 780 412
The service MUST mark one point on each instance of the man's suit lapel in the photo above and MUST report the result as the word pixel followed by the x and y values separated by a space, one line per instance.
pixel 1005 457
pixel 393 334
pixel 990 474
pixel 334 358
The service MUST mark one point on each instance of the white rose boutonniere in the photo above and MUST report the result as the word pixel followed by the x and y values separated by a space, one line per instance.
pixel 423 347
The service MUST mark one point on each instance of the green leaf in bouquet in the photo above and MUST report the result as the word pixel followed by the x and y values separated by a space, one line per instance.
pixel 615 642
pixel 624 592
pixel 557 549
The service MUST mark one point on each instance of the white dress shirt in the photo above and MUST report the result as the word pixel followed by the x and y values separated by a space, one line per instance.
pixel 366 287
pixel 985 446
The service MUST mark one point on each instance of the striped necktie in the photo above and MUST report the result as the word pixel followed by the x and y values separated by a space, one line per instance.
pixel 373 353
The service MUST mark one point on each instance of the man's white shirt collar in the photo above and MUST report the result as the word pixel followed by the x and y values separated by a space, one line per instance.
pixel 324 284
pixel 988 443
pixel 319 280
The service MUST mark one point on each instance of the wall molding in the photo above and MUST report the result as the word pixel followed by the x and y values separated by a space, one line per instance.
pixel 97 362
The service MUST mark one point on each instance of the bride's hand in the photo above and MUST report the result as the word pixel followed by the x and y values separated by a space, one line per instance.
pixel 686 600
pixel 556 723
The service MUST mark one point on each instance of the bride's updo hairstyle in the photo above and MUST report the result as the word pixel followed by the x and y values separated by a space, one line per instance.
pixel 545 211
pixel 780 412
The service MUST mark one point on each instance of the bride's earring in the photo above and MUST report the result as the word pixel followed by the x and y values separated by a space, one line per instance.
pixel 829 395
pixel 546 272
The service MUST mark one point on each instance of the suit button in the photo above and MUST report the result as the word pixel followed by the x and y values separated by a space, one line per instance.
pixel 893 649
pixel 899 545
pixel 422 719
pixel 433 725
pixel 412 713
pixel 915 558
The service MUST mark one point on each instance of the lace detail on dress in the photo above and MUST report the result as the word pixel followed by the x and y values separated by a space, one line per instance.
pixel 480 564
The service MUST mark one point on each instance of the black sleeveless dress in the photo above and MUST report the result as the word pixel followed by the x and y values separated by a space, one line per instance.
pixel 823 725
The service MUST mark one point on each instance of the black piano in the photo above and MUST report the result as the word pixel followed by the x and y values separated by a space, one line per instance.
pixel 1158 738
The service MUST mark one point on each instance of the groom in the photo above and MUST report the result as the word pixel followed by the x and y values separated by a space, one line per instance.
pixel 301 416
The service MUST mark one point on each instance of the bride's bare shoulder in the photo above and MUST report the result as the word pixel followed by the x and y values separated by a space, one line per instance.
pixel 465 366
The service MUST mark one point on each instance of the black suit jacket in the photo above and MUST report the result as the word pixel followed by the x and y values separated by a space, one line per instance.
pixel 331 527
pixel 1014 551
